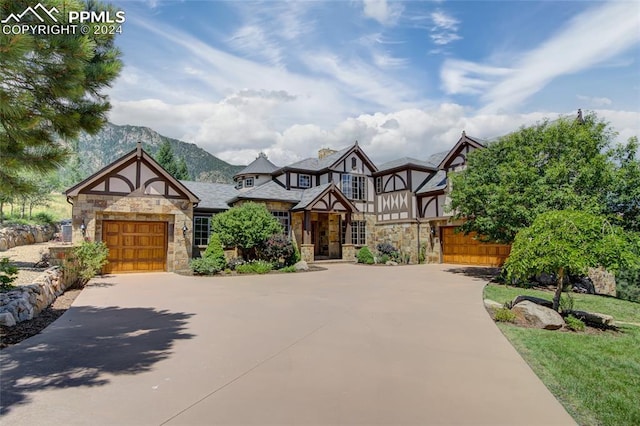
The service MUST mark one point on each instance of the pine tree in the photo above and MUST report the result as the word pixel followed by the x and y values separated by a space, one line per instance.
pixel 50 86
pixel 182 172
pixel 165 158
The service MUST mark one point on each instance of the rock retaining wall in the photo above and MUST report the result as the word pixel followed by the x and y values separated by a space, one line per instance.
pixel 24 234
pixel 26 302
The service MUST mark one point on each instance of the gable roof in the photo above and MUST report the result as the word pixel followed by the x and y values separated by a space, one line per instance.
pixel 405 163
pixel 261 165
pixel 136 155
pixel 314 164
pixel 312 195
pixel 438 182
pixel 213 196
pixel 453 152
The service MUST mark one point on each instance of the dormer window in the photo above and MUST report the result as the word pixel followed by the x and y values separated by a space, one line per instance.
pixel 248 182
pixel 239 184
pixel 304 181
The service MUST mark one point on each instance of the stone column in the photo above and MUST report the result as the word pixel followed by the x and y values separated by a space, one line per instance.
pixel 349 252
pixel 306 252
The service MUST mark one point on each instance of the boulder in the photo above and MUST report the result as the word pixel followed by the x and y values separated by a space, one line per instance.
pixel 391 263
pixel 301 266
pixel 537 300
pixel 7 319
pixel 603 281
pixel 594 319
pixel 538 316
pixel 492 305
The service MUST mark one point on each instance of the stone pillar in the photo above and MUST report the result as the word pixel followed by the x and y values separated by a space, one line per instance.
pixel 306 229
pixel 306 252
pixel 349 252
pixel 347 230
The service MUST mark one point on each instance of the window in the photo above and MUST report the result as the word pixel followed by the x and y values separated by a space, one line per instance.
pixel 358 232
pixel 354 163
pixel 201 230
pixel 353 187
pixel 283 217
pixel 379 185
pixel 248 182
pixel 304 181
pixel 239 184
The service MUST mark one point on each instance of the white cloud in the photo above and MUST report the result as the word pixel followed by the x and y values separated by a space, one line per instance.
pixel 382 11
pixel 593 37
pixel 464 77
pixel 595 101
pixel 444 29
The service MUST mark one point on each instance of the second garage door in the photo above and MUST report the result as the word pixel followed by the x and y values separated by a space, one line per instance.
pixel 135 246
pixel 465 250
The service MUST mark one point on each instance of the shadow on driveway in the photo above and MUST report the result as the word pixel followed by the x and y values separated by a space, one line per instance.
pixel 481 272
pixel 85 343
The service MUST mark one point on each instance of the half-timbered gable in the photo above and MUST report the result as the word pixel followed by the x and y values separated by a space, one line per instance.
pixel 456 159
pixel 141 212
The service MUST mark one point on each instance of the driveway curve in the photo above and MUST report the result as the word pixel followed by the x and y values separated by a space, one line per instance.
pixel 349 345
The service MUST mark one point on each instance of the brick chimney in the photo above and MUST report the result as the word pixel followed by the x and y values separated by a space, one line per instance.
pixel 325 152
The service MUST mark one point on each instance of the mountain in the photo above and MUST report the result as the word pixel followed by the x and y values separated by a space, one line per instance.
pixel 97 151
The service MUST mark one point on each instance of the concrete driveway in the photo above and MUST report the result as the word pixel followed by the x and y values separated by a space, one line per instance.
pixel 350 345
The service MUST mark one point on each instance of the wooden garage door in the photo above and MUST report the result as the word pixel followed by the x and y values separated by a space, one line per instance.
pixel 135 246
pixel 465 250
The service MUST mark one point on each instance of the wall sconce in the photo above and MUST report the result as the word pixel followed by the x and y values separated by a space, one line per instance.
pixel 184 229
pixel 433 231
pixel 83 228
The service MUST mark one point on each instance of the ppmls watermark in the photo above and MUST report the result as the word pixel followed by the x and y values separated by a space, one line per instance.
pixel 52 22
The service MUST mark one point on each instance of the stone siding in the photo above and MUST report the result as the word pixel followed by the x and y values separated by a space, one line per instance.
pixel 95 209
pixel 403 236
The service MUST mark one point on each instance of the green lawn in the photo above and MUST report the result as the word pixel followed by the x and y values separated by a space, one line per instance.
pixel 595 376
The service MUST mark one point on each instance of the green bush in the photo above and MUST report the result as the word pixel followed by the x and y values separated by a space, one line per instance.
pixel 278 250
pixel 574 323
pixel 505 315
pixel 43 218
pixel 83 263
pixel 254 267
pixel 628 284
pixel 383 258
pixel 364 256
pixel 8 274
pixel 235 262
pixel 388 250
pixel 205 266
pixel 215 251
pixel 288 269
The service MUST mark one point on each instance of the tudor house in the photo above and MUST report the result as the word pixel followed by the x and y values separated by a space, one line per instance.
pixel 331 205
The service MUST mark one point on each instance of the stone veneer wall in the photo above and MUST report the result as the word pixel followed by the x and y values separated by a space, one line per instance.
pixel 13 236
pixel 26 302
pixel 407 237
pixel 97 208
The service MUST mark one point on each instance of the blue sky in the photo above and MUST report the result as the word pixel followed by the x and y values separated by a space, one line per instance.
pixel 402 78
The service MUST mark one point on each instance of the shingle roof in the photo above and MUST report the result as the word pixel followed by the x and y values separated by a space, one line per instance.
pixel 436 183
pixel 435 159
pixel 261 165
pixel 212 195
pixel 310 194
pixel 268 191
pixel 315 164
pixel 404 161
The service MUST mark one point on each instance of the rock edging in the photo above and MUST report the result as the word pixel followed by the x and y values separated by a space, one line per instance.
pixel 22 235
pixel 26 302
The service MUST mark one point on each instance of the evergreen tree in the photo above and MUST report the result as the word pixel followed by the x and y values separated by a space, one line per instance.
pixel 165 158
pixel 50 85
pixel 182 173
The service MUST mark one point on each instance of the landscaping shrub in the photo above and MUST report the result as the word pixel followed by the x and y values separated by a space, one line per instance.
pixel 278 250
pixel 83 263
pixel 389 250
pixel 235 262
pixel 254 267
pixel 288 269
pixel 628 284
pixel 364 256
pixel 212 260
pixel 384 258
pixel 43 218
pixel 505 315
pixel 574 323
pixel 8 274
pixel 205 266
